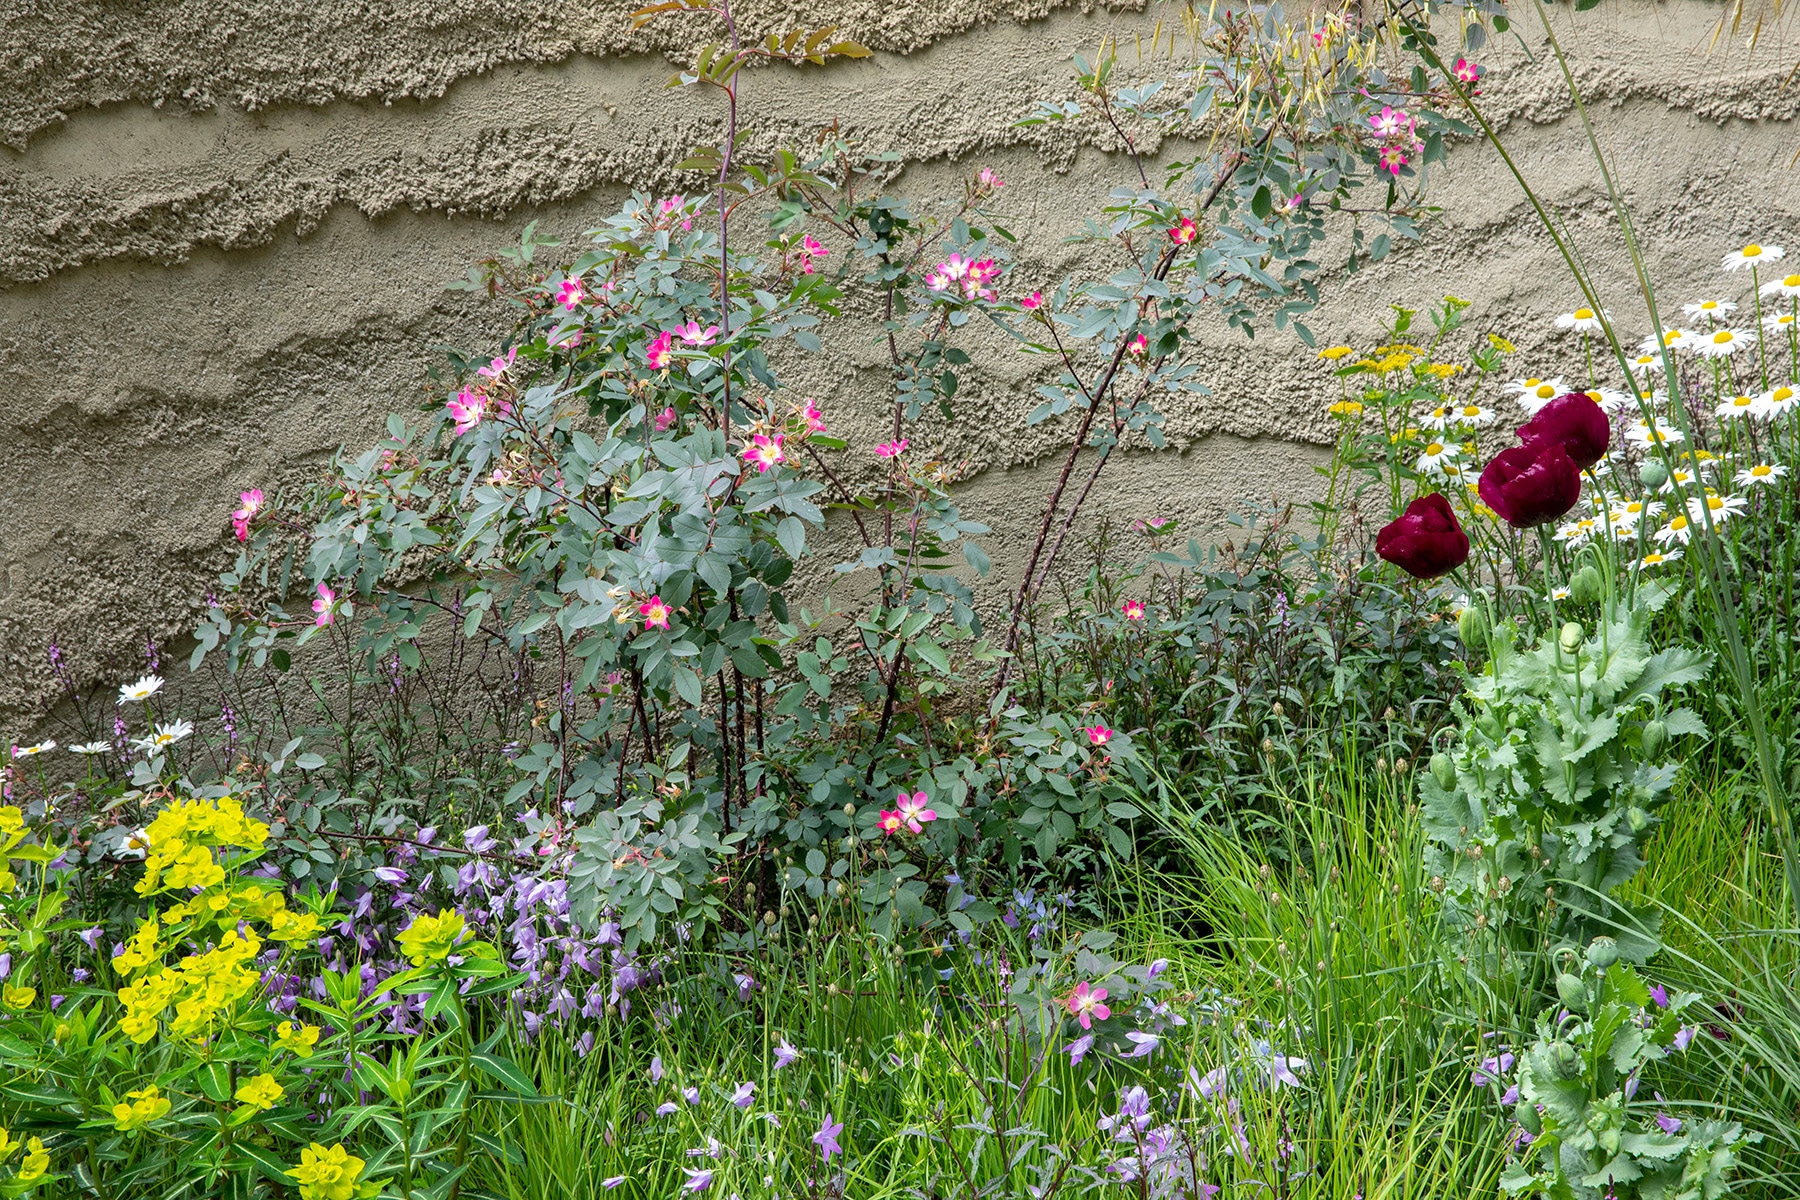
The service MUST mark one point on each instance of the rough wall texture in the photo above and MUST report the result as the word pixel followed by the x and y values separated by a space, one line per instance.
pixel 225 228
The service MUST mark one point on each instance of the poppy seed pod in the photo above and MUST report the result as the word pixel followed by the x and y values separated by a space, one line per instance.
pixel 1574 422
pixel 1425 541
pixel 1531 485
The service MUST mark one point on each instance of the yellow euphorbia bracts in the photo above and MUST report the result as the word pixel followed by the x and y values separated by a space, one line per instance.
pixel 181 840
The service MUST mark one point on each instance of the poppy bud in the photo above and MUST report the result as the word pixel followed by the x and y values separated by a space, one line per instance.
pixel 1472 626
pixel 1530 485
pixel 1443 770
pixel 1587 586
pixel 1574 422
pixel 1572 991
pixel 1425 541
pixel 1655 732
pixel 1571 636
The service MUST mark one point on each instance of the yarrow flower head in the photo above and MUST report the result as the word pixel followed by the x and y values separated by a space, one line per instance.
pixel 250 503
pixel 656 613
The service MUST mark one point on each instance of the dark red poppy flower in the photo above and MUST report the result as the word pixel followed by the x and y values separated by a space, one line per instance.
pixel 1575 421
pixel 1425 541
pixel 1529 485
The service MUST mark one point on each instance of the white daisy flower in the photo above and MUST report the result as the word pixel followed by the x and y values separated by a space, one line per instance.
pixel 1652 433
pixel 165 735
pixel 1520 387
pixel 140 691
pixel 91 748
pixel 1750 256
pixel 1577 533
pixel 1439 418
pixel 1764 473
pixel 1788 286
pixel 1722 343
pixel 1710 311
pixel 1647 365
pixel 136 843
pixel 1474 416
pixel 1738 406
pixel 1677 530
pixel 1679 477
pixel 1626 517
pixel 32 751
pixel 1780 322
pixel 1657 558
pixel 1561 593
pixel 1584 320
pixel 1436 456
pixel 1612 400
pixel 1671 339
pixel 1779 402
pixel 1534 393
pixel 1721 508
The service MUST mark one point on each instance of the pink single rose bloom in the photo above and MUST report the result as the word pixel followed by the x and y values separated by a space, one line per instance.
pixel 764 451
pixel 657 353
pixel 1392 159
pixel 814 418
pixel 251 502
pixel 1184 232
pixel 1466 71
pixel 987 178
pixel 655 613
pixel 887 822
pixel 498 366
pixel 1139 344
pixel 325 605
pixel 891 449
pixel 674 204
pixel 466 409
pixel 912 810
pixel 693 335
pixel 569 294
pixel 664 419
pixel 1032 302
pixel 812 247
pixel 1133 610
pixel 1098 735
pixel 1087 1004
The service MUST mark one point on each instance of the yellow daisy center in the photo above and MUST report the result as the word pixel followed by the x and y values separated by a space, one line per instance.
pixel 1723 337
pixel 1752 250
pixel 1714 503
pixel 1708 305
pixel 1546 392
pixel 1594 396
pixel 1781 394
pixel 1435 448
pixel 1761 471
pixel 1470 410
pixel 1650 560
pixel 1742 401
pixel 1678 523
pixel 1584 314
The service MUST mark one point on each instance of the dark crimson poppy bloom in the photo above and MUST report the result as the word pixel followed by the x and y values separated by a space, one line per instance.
pixel 1529 485
pixel 1426 541
pixel 1575 421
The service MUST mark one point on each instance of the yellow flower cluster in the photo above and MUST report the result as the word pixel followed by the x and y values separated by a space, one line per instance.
pixel 36 1162
pixel 261 1093
pixel 298 1038
pixel 181 840
pixel 139 1108
pixel 229 907
pixel 329 1174
pixel 201 988
pixel 430 939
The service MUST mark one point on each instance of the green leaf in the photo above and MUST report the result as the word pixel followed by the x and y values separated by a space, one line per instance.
pixel 506 1071
pixel 688 685
pixel 932 653
pixel 791 535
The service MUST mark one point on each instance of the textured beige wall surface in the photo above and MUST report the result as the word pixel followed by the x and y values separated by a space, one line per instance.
pixel 225 230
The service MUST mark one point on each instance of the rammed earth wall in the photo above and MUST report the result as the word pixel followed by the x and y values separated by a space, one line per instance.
pixel 226 226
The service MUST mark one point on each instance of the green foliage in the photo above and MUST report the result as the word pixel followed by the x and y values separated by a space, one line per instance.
pixel 1540 809
pixel 1581 1137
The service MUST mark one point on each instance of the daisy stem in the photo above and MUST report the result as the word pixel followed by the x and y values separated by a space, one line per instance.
pixel 1756 300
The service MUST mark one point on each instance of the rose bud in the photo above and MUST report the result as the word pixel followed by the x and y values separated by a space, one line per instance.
pixel 1529 485
pixel 1575 421
pixel 1425 541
